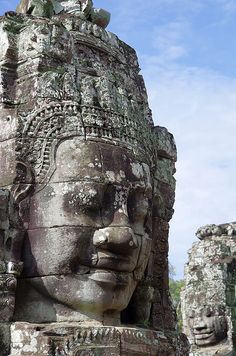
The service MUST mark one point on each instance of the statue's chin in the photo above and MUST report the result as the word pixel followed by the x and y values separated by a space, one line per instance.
pixel 205 340
pixel 91 294
pixel 209 339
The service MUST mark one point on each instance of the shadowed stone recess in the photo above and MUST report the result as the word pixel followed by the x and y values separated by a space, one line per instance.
pixel 87 190
pixel 208 298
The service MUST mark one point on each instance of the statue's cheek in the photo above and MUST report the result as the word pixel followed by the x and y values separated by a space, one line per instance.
pixel 58 250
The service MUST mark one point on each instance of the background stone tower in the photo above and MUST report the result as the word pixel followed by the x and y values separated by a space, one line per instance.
pixel 208 298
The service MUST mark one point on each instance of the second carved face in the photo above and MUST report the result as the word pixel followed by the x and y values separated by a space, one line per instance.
pixel 208 325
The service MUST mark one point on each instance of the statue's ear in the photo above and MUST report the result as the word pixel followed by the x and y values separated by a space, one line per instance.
pixel 23 184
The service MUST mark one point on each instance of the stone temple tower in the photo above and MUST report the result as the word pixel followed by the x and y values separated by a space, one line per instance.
pixel 87 191
pixel 208 298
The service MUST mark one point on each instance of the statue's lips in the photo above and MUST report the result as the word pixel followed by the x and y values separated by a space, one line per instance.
pixel 110 277
pixel 115 262
pixel 204 335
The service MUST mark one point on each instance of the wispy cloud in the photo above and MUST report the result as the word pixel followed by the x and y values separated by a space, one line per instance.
pixel 199 107
pixel 228 5
pixel 170 40
pixel 138 16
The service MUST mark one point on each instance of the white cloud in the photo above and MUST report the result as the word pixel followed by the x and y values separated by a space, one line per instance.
pixel 137 16
pixel 169 40
pixel 199 107
pixel 196 104
pixel 228 5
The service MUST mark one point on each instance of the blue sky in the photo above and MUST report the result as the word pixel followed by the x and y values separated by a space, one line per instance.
pixel 187 53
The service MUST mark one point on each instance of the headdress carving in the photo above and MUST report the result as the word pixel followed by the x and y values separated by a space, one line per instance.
pixel 46 127
pixel 81 8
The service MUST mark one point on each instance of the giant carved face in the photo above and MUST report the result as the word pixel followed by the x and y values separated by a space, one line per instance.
pixel 208 325
pixel 88 239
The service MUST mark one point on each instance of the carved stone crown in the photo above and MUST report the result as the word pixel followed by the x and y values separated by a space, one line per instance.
pixel 46 127
pixel 84 83
pixel 216 230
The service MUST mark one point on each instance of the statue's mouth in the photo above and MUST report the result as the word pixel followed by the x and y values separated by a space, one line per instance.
pixel 107 260
pixel 111 278
pixel 205 336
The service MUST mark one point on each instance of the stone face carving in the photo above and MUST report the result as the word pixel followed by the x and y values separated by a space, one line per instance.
pixel 209 325
pixel 81 8
pixel 92 179
pixel 208 300
pixel 102 213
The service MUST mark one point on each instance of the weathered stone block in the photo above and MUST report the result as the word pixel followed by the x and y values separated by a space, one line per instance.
pixel 4 209
pixel 29 339
pixel 165 172
pixel 7 162
pixel 5 339
pixel 166 143
pixel 208 299
pixel 9 122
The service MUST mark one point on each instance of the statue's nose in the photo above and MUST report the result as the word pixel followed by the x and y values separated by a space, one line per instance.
pixel 116 239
